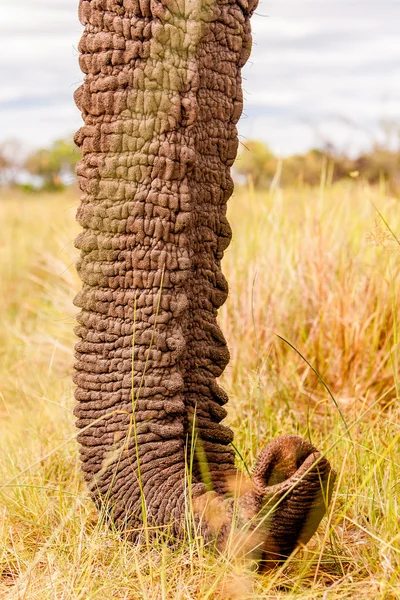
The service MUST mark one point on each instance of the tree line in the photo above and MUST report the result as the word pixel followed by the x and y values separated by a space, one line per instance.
pixel 263 169
pixel 53 168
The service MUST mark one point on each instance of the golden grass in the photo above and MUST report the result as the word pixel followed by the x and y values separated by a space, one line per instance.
pixel 317 267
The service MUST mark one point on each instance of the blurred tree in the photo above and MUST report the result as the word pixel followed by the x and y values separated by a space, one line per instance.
pixel 257 162
pixel 11 160
pixel 380 165
pixel 304 168
pixel 4 164
pixel 55 165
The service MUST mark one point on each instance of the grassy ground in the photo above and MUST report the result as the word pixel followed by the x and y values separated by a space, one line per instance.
pixel 319 268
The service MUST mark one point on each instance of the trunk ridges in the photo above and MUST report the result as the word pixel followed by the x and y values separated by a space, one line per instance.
pixel 155 180
pixel 160 101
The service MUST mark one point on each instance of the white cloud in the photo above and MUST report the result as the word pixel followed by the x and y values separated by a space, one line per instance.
pixel 322 69
pixel 39 67
pixel 319 69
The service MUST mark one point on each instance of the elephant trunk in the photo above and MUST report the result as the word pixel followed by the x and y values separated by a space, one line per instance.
pixel 279 509
pixel 160 102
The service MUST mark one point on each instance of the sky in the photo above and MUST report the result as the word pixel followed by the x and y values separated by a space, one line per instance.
pixel 321 71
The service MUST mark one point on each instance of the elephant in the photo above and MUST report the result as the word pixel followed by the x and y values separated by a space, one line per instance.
pixel 160 102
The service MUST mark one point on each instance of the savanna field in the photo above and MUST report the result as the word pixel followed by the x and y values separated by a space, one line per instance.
pixel 312 326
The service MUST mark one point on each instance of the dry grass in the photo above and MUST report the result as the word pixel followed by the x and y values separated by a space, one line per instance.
pixel 317 267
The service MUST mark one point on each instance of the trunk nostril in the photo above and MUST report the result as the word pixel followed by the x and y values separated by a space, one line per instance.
pixel 294 483
pixel 280 460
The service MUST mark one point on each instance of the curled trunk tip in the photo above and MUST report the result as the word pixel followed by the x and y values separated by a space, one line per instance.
pixel 278 509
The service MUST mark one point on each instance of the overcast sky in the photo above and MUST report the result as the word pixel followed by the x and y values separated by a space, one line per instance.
pixel 320 70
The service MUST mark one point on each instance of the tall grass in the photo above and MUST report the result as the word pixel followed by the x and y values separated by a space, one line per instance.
pixel 318 268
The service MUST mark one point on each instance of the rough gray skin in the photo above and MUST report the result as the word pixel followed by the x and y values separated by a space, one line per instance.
pixel 160 102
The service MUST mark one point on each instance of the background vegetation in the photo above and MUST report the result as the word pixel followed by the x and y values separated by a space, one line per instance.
pixel 265 170
pixel 45 169
pixel 320 267
pixel 53 168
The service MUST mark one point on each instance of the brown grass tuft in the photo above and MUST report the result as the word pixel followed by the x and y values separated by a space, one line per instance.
pixel 318 267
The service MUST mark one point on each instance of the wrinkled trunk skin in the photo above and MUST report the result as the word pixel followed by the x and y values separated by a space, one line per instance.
pixel 160 102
